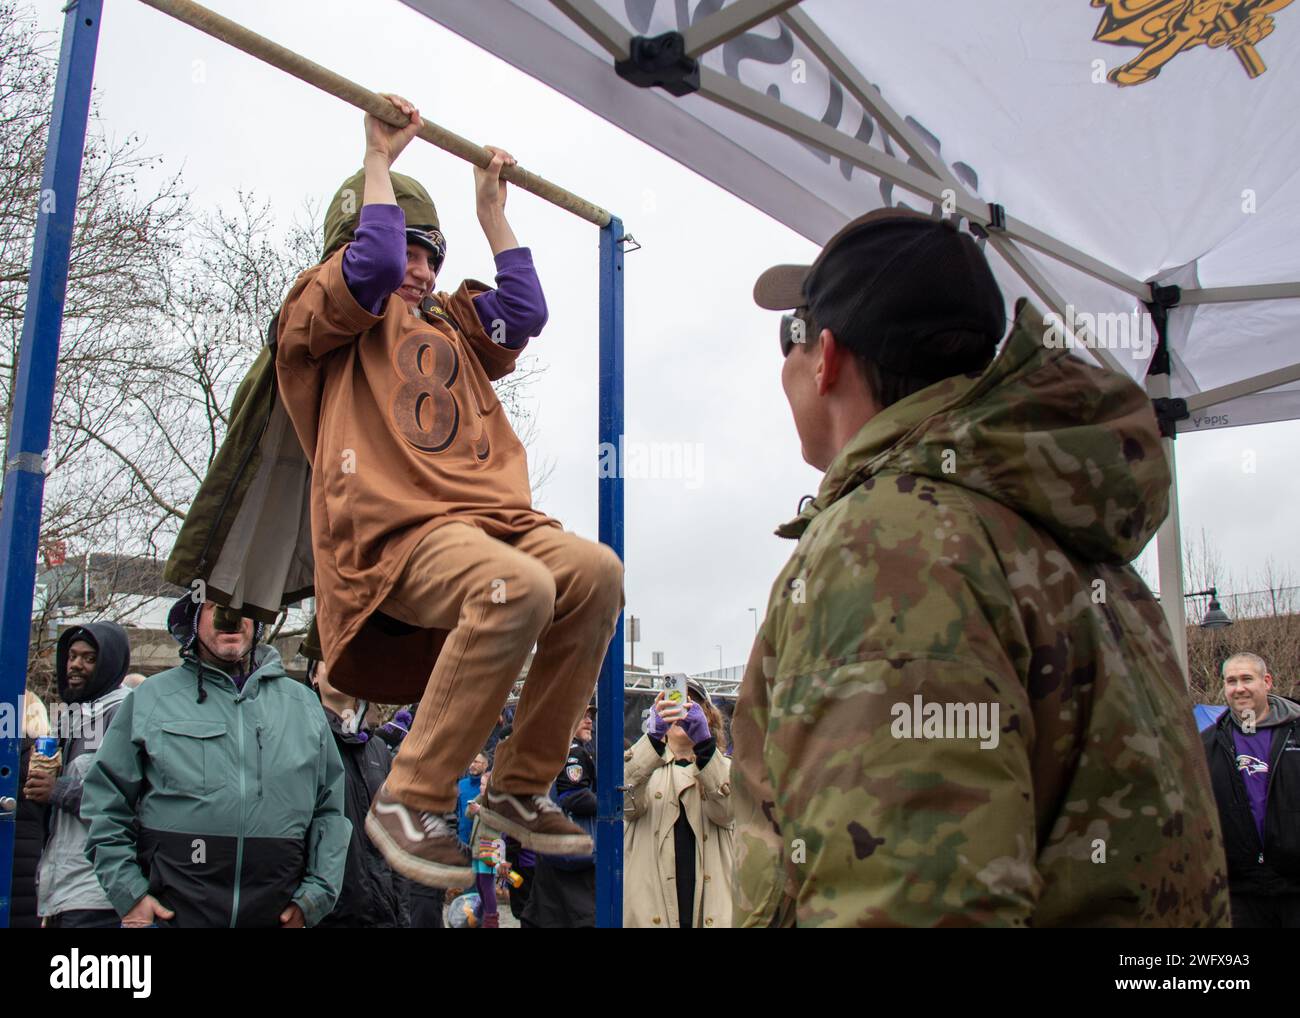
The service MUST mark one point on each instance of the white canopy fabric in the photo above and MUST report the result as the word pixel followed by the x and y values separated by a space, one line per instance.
pixel 1187 173
pixel 1124 142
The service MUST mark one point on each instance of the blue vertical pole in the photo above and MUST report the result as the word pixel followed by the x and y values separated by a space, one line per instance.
pixel 33 391
pixel 609 696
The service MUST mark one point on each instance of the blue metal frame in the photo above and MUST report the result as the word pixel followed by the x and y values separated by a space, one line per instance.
pixel 609 697
pixel 29 436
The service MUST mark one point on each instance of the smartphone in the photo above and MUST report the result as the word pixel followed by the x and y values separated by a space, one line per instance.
pixel 675 691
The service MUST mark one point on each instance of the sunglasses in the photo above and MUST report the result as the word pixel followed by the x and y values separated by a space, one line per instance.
pixel 796 327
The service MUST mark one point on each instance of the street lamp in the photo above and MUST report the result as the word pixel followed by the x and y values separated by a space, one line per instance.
pixel 754 612
pixel 1215 617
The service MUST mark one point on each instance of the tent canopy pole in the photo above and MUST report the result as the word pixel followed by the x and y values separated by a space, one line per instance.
pixel 241 38
pixel 599 24
pixel 735 19
pixel 1169 544
pixel 1245 387
pixel 1228 294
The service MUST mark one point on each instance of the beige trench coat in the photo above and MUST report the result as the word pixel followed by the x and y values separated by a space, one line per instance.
pixel 657 791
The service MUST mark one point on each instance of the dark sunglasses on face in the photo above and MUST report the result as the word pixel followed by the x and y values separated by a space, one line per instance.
pixel 796 327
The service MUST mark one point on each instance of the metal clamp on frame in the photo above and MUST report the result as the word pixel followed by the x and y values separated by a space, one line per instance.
pixel 997 223
pixel 1163 298
pixel 660 61
pixel 1169 411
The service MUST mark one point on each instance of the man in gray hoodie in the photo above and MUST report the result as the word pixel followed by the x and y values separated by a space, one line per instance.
pixel 90 663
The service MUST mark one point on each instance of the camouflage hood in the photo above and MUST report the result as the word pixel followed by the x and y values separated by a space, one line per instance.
pixel 344 212
pixel 1069 447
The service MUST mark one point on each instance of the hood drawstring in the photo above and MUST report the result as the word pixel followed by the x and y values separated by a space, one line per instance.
pixel 194 638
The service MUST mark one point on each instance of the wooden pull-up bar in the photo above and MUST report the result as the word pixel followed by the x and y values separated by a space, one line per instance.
pixel 213 24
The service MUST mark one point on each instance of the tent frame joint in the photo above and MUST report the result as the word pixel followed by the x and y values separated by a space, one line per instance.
pixel 660 61
pixel 997 218
pixel 1169 411
pixel 1163 299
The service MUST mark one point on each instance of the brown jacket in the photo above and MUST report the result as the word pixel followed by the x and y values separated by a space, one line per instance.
pixel 656 792
pixel 397 416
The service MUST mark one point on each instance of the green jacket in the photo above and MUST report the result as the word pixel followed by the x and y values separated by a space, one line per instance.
pixel 964 706
pixel 238 798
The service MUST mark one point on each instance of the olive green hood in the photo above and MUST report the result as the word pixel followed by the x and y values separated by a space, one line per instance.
pixel 1070 447
pixel 345 208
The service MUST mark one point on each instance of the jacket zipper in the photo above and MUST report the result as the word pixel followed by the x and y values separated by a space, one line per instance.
pixel 1275 759
pixel 239 845
pixel 259 761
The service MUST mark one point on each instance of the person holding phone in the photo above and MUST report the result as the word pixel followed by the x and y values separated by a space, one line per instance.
pixel 678 857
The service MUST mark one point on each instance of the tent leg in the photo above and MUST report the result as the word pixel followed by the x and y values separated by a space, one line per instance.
pixel 1169 553
pixel 33 399
pixel 1169 545
pixel 609 734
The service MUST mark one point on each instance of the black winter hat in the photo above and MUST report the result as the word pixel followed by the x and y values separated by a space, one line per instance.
pixel 113 659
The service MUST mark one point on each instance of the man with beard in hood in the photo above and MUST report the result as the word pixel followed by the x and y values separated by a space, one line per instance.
pixel 1254 756
pixel 90 663
pixel 217 796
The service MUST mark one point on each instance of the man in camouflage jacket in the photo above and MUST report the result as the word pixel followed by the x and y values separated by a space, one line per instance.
pixel 963 707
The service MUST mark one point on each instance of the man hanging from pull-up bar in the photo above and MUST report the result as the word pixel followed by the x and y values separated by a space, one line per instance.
pixel 421 509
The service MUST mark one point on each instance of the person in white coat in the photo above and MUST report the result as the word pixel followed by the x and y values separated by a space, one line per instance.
pixel 678 819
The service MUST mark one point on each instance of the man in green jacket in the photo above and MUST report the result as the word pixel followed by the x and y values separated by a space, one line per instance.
pixel 963 707
pixel 231 771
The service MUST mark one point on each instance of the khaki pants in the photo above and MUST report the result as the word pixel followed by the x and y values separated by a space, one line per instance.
pixel 546 586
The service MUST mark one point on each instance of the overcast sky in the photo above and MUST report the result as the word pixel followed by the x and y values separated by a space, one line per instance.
pixel 702 362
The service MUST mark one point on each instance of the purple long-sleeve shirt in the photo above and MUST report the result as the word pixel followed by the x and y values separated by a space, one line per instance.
pixel 374 266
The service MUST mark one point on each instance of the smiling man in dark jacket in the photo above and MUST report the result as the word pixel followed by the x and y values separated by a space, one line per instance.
pixel 1254 757
pixel 230 769
pixel 90 662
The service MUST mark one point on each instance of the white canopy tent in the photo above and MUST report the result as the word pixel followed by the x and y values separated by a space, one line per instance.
pixel 1125 143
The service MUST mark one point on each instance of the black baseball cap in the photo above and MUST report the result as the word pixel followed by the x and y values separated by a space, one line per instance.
pixel 887 282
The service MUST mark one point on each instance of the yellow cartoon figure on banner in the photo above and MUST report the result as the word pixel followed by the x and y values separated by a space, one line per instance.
pixel 1165 28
